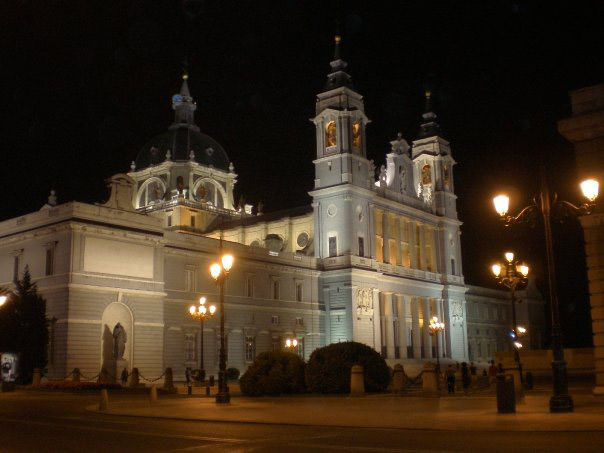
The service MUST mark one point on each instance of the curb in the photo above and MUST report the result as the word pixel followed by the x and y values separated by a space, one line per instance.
pixel 94 409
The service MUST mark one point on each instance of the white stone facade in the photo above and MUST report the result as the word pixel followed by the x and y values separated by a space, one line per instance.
pixel 370 260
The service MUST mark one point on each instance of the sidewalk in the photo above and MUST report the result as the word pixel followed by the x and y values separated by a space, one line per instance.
pixel 376 411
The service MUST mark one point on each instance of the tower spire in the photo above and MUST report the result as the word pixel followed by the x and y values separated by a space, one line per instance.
pixel 183 104
pixel 429 126
pixel 338 77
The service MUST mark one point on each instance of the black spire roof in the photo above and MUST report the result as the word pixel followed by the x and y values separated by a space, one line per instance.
pixel 429 126
pixel 338 77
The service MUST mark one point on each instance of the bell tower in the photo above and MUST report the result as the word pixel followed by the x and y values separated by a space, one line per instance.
pixel 343 175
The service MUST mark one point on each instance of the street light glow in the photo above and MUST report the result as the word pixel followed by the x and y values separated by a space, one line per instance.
pixel 509 256
pixel 589 187
pixel 3 300
pixel 212 309
pixel 202 300
pixel 192 309
pixel 502 204
pixel 523 269
pixel 518 345
pixel 215 271
pixel 227 262
pixel 496 269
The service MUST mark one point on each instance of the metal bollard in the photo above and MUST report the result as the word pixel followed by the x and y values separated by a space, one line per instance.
pixel 207 390
pixel 169 381
pixel 189 389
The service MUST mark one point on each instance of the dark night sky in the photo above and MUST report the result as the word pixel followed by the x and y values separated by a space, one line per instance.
pixel 86 84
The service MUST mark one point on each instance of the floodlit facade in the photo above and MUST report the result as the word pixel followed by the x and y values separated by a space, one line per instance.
pixel 372 259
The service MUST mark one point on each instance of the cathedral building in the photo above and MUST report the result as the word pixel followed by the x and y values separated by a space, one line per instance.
pixel 372 259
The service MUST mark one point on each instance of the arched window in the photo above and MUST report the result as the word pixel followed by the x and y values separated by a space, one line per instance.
pixel 356 134
pixel 209 191
pixel 151 192
pixel 426 175
pixel 330 134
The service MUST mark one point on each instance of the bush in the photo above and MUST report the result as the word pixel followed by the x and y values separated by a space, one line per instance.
pixel 328 368
pixel 273 373
pixel 232 374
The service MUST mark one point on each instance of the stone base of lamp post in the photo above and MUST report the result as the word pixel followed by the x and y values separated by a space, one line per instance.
pixel 560 401
pixel 514 370
pixel 223 396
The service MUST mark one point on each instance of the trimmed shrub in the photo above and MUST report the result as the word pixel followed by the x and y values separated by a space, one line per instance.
pixel 273 373
pixel 232 374
pixel 328 368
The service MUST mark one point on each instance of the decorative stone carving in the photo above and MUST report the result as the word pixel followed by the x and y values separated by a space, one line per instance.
pixel 364 298
pixel 456 311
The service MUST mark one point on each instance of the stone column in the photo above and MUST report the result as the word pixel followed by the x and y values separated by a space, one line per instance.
pixel 386 236
pixel 441 343
pixel 377 328
pixel 422 248
pixel 399 254
pixel 593 230
pixel 402 325
pixel 416 333
pixel 388 322
pixel 426 332
pixel 412 241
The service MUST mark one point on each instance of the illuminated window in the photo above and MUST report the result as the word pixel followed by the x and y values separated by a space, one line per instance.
pixel 190 355
pixel 426 175
pixel 330 134
pixel 356 134
pixel 151 192
pixel 250 349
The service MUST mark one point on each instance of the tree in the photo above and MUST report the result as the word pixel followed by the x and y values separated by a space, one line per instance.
pixel 24 327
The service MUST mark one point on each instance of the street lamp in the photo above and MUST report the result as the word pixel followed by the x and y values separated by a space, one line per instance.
pixel 542 205
pixel 3 300
pixel 202 313
pixel 291 344
pixel 220 272
pixel 435 327
pixel 511 274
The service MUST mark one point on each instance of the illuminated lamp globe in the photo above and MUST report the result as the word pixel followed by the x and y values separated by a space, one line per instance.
pixel 589 187
pixel 192 309
pixel 295 342
pixel 215 271
pixel 518 345
pixel 509 256
pixel 523 269
pixel 521 330
pixel 227 262
pixel 212 309
pixel 502 204
pixel 3 300
pixel 202 300
pixel 496 269
pixel 202 309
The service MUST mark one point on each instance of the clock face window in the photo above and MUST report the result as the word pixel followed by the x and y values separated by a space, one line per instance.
pixel 330 134
pixel 356 134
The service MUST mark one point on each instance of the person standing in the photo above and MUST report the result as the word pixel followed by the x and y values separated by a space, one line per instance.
pixel 450 375
pixel 124 376
pixel 492 372
pixel 465 377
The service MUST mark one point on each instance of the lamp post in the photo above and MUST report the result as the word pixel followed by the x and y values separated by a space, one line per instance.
pixel 220 272
pixel 511 274
pixel 202 313
pixel 291 344
pixel 542 206
pixel 435 327
pixel 3 299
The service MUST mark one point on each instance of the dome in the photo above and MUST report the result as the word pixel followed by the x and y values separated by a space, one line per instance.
pixel 181 141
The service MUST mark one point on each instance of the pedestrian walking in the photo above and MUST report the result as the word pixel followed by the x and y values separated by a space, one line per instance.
pixel 124 376
pixel 450 375
pixel 492 372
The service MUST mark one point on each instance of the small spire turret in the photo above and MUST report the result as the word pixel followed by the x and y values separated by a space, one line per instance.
pixel 338 77
pixel 429 126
